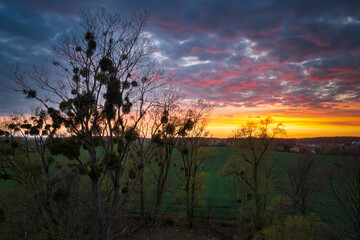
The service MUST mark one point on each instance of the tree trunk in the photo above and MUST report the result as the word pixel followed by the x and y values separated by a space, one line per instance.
pixel 113 205
pixel 116 184
pixel 188 204
pixel 99 228
pixel 192 205
pixel 157 205
pixel 142 200
pixel 163 176
pixel 95 194
pixel 257 218
pixel 159 194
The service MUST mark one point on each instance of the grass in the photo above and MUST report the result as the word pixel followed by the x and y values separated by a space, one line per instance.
pixel 219 203
pixel 282 160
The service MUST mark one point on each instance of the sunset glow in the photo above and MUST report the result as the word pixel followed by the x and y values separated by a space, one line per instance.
pixel 298 122
pixel 296 127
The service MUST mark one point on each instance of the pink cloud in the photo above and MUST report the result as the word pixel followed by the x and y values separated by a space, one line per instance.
pixel 235 87
pixel 252 84
pixel 344 70
pixel 216 51
pixel 195 50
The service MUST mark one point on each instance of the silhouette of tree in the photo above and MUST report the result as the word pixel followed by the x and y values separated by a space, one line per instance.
pixel 194 158
pixel 304 183
pixel 344 183
pixel 101 85
pixel 44 188
pixel 254 141
pixel 156 143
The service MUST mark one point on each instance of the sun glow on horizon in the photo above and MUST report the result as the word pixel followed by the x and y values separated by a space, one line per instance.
pixel 298 124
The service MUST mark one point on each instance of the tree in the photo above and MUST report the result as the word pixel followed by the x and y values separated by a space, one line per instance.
pixel 254 141
pixel 165 127
pixel 296 227
pixel 279 209
pixel 194 157
pixel 304 183
pixel 144 150
pixel 156 143
pixel 41 198
pixel 104 85
pixel 344 184
pixel 165 140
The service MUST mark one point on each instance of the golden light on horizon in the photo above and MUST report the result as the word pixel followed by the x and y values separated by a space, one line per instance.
pixel 298 124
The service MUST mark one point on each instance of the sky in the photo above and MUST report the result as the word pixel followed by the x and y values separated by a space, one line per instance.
pixel 297 61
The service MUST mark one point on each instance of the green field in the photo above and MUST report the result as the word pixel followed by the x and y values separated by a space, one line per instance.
pixel 219 203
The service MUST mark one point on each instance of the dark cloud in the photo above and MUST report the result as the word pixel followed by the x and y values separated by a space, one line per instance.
pixel 241 53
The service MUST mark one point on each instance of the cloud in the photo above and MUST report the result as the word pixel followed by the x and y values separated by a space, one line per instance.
pixel 289 54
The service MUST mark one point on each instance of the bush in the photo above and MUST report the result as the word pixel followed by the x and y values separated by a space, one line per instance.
pixel 279 209
pixel 296 227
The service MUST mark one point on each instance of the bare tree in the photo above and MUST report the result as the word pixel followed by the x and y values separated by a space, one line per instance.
pixel 194 157
pixel 344 183
pixel 254 141
pixel 156 141
pixel 304 183
pixel 101 86
pixel 165 141
pixel 144 150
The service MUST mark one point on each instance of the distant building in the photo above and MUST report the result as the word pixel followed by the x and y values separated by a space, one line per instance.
pixel 295 149
pixel 279 148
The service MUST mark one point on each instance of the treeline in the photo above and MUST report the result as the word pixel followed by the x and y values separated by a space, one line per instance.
pixel 324 140
pixel 348 141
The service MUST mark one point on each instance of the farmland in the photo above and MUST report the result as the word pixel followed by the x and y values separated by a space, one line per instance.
pixel 220 204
